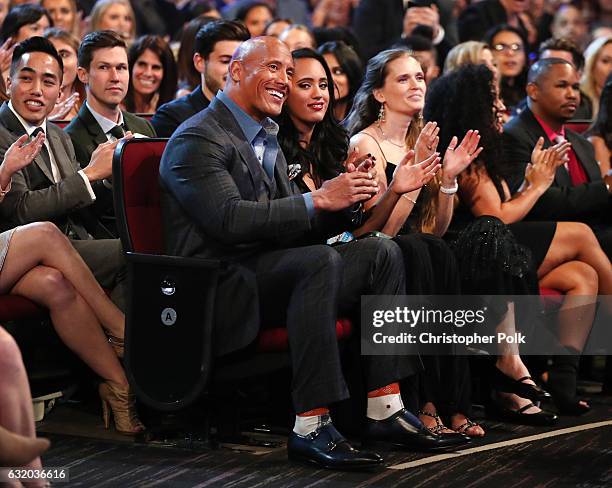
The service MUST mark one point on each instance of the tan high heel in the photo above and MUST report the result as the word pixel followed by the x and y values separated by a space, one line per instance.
pixel 119 402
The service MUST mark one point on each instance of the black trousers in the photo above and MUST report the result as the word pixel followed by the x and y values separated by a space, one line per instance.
pixel 307 288
pixel 431 269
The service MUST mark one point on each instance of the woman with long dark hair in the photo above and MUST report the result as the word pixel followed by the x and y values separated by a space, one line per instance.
pixel 347 70
pixel 152 75
pixel 564 255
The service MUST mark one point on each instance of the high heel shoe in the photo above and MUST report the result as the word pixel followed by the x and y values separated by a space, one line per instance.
pixel 119 402
pixel 117 344
pixel 502 382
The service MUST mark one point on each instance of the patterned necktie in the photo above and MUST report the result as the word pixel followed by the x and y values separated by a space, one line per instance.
pixel 271 147
pixel 118 131
pixel 44 152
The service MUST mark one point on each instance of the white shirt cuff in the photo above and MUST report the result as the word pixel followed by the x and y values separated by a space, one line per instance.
pixel 88 186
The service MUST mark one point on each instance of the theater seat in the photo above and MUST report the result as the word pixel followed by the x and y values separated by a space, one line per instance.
pixel 579 126
pixel 150 344
pixel 15 308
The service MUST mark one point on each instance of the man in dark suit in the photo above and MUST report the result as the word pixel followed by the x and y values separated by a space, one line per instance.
pixel 214 45
pixel 54 187
pixel 226 194
pixel 103 68
pixel 578 193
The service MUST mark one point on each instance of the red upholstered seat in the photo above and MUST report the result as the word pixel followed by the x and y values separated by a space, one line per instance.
pixel 15 307
pixel 579 126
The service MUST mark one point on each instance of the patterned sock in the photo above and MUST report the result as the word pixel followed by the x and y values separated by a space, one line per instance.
pixel 309 421
pixel 384 402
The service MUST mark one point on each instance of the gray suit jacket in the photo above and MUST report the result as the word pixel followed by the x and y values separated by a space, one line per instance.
pixel 217 202
pixel 34 195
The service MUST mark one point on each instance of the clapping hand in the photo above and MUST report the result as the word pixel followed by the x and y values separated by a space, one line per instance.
pixel 541 173
pixel 64 107
pixel 427 142
pixel 6 54
pixel 457 158
pixel 560 150
pixel 408 176
pixel 21 153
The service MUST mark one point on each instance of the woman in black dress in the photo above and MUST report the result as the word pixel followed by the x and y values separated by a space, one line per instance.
pixel 564 255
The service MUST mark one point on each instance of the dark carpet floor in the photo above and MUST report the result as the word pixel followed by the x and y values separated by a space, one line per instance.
pixel 573 459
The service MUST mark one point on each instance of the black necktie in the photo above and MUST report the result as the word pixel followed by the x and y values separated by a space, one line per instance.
pixel 44 152
pixel 118 131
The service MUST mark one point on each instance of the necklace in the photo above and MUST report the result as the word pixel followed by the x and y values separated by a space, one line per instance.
pixel 386 139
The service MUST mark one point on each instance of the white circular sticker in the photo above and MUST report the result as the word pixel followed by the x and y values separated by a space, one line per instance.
pixel 168 316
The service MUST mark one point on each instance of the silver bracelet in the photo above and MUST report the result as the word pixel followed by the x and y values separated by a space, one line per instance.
pixel 450 191
pixel 405 195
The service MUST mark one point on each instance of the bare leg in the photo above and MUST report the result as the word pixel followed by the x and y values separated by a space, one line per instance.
pixel 16 416
pixel 43 243
pixel 73 320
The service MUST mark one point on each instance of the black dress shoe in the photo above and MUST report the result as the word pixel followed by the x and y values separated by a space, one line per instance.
pixel 405 430
pixel 329 449
pixel 502 382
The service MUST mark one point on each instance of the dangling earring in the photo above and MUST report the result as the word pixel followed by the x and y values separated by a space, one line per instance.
pixel 420 116
pixel 381 114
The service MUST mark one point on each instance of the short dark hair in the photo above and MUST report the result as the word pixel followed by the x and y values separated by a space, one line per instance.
pixel 36 45
pixel 97 40
pixel 243 10
pixel 22 15
pixel 566 45
pixel 216 31
pixel 543 66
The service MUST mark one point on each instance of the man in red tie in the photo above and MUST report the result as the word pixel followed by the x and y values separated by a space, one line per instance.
pixel 579 192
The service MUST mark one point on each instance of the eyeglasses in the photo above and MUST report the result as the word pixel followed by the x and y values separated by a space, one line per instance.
pixel 514 47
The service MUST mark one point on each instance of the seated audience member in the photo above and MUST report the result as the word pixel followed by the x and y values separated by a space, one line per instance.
pixel 578 191
pixel 424 52
pixel 597 67
pixel 64 15
pixel 115 15
pixel 103 69
pixel 298 36
pixel 72 92
pixel 425 22
pixel 315 140
pixel 600 133
pixel 198 8
pixel 238 204
pixel 276 26
pixel 19 445
pixel 188 76
pixel 55 188
pixel 39 263
pixel 25 21
pixel 564 49
pixel 215 43
pixel 569 23
pixel 255 15
pixel 298 10
pixel 347 72
pixel 470 52
pixel 152 75
pixel 479 17
pixel 509 50
pixel 565 255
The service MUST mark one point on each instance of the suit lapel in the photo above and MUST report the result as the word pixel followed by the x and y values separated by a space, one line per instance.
pixel 96 136
pixel 228 122
pixel 578 145
pixel 8 119
pixel 62 160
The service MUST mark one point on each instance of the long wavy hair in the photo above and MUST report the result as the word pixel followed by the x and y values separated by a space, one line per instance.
pixel 462 100
pixel 329 144
pixel 365 112
pixel 587 82
pixel 158 46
